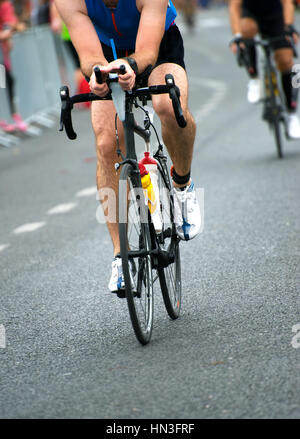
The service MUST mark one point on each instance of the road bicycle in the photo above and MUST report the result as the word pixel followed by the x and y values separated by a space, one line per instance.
pixel 154 255
pixel 274 107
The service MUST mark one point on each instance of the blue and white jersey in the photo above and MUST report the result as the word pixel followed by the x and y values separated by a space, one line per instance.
pixel 120 23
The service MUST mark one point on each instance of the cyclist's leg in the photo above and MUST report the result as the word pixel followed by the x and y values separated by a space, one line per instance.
pixel 284 62
pixel 249 29
pixel 179 142
pixel 274 28
pixel 103 121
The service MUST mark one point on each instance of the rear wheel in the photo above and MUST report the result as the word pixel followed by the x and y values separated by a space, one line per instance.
pixel 135 242
pixel 275 125
pixel 275 111
pixel 169 266
pixel 278 138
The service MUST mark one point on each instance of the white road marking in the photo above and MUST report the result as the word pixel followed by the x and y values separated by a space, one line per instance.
pixel 219 91
pixel 30 227
pixel 205 51
pixel 207 23
pixel 2 337
pixel 3 247
pixel 87 192
pixel 62 208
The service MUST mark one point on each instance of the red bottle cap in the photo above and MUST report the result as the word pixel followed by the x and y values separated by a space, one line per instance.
pixel 147 160
pixel 143 170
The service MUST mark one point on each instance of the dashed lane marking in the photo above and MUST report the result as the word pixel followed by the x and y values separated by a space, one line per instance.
pixel 3 247
pixel 30 227
pixel 208 23
pixel 87 192
pixel 62 208
pixel 219 92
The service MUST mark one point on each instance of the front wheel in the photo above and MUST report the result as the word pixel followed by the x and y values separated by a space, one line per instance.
pixel 135 243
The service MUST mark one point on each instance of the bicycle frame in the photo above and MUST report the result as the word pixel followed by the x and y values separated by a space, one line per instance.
pixel 274 103
pixel 144 247
pixel 273 108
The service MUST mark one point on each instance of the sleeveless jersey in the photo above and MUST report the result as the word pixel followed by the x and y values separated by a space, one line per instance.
pixel 121 23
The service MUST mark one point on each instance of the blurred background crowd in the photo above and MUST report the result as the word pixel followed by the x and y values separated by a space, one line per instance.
pixel 17 16
pixel 36 12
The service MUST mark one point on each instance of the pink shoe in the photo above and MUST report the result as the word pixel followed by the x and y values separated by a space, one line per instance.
pixel 7 127
pixel 20 125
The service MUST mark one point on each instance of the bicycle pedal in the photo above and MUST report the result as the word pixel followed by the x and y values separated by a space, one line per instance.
pixel 122 294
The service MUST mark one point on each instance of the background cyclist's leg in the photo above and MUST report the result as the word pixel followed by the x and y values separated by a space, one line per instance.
pixel 274 28
pixel 249 29
pixel 284 61
pixel 179 142
pixel 103 121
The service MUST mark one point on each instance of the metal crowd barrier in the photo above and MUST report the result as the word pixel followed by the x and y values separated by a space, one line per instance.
pixel 40 65
pixel 4 106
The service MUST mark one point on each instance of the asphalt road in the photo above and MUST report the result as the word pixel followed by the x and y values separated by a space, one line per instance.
pixel 70 350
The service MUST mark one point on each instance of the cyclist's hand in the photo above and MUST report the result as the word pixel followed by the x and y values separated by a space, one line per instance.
pixel 99 89
pixel 234 43
pixel 127 80
pixel 292 32
pixel 5 34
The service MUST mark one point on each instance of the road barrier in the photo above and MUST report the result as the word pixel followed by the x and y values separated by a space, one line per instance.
pixel 4 105
pixel 40 64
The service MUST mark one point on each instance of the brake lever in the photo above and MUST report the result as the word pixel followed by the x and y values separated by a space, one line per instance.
pixel 65 115
pixel 174 94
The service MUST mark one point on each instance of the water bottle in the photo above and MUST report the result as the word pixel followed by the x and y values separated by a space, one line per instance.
pixel 151 166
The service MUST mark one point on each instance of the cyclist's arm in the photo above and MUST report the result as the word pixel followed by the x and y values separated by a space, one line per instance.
pixel 149 36
pixel 289 15
pixel 288 11
pixel 55 19
pixel 150 32
pixel 235 16
pixel 82 33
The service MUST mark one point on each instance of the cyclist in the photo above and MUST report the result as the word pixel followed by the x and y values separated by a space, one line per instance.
pixel 8 22
pixel 136 33
pixel 59 27
pixel 189 10
pixel 272 19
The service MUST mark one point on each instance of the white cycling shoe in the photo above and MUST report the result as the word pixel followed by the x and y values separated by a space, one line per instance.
pixel 187 215
pixel 116 283
pixel 254 91
pixel 293 126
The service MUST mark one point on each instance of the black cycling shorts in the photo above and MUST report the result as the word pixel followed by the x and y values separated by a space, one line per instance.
pixel 269 27
pixel 171 49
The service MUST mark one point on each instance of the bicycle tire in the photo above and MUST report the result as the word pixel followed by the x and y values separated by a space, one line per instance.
pixel 275 118
pixel 135 236
pixel 169 265
pixel 278 137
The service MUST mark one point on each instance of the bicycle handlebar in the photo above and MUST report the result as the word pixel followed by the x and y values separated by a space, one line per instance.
pixel 68 102
pixel 174 94
pixel 99 77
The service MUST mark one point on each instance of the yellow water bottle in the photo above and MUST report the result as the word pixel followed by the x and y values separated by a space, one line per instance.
pixel 148 189
pixel 150 198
